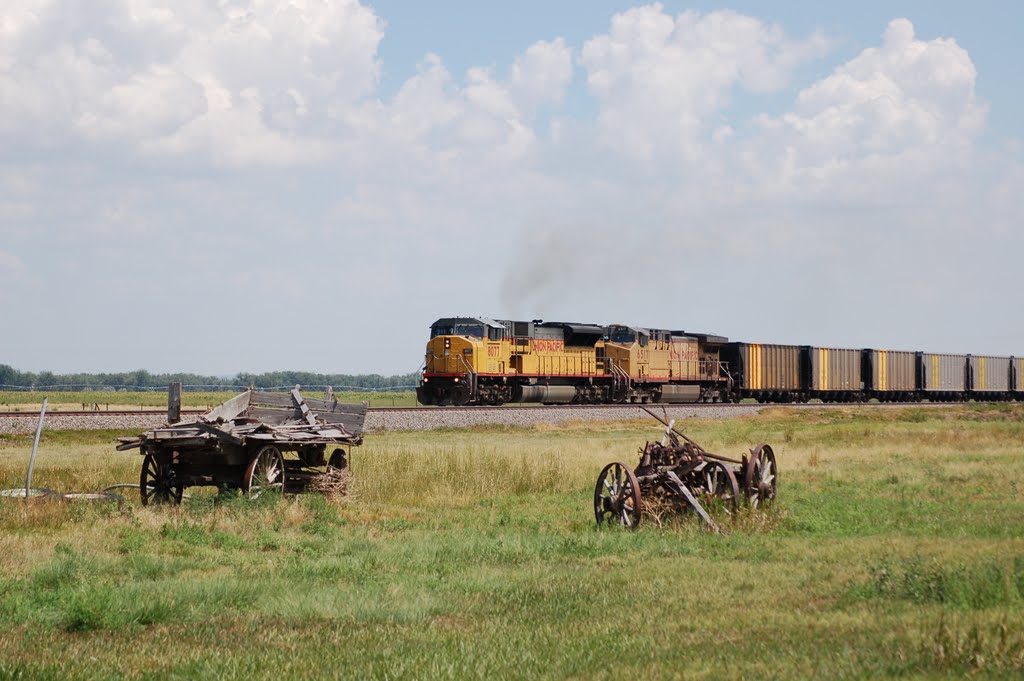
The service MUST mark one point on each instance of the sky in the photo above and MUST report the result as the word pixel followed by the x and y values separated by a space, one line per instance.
pixel 258 185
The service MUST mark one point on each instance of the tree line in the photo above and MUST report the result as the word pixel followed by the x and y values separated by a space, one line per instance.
pixel 141 379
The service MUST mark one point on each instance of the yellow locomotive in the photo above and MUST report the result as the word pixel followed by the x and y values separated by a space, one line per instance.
pixel 486 361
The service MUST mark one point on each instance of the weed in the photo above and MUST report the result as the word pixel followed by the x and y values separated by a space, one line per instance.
pixel 975 648
pixel 968 587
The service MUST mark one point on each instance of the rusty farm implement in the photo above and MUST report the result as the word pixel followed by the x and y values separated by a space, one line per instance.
pixel 678 475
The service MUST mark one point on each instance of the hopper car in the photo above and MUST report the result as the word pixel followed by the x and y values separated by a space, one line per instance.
pixel 481 361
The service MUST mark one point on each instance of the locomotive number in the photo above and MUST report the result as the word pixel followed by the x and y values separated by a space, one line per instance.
pixel 494 351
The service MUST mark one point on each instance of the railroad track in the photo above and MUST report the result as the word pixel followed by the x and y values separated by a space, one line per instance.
pixel 507 407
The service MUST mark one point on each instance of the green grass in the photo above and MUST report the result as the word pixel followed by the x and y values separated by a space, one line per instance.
pixel 104 400
pixel 896 550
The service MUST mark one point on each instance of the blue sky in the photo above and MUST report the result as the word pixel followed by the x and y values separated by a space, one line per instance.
pixel 464 31
pixel 271 184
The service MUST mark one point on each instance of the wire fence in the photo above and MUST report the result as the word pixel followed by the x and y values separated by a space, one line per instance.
pixel 82 387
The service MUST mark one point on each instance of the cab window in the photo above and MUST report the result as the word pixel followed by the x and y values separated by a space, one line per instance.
pixel 623 335
pixel 473 330
pixel 441 330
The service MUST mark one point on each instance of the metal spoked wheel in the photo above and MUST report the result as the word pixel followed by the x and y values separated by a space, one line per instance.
pixel 617 496
pixel 718 485
pixel 158 483
pixel 762 476
pixel 265 473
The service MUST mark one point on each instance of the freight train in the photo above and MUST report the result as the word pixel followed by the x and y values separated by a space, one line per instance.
pixel 474 360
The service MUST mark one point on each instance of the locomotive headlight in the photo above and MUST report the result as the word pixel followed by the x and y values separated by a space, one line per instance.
pixel 456 379
pixel 447 342
pixel 425 379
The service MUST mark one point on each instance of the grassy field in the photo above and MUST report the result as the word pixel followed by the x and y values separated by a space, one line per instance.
pixel 111 400
pixel 896 549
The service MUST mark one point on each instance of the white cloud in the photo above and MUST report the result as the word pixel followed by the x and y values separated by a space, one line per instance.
pixel 235 81
pixel 541 74
pixel 256 83
pixel 905 108
pixel 659 79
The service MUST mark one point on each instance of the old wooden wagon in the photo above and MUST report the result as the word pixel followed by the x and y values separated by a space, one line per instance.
pixel 254 442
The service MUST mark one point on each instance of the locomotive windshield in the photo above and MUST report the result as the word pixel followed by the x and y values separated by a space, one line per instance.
pixel 474 330
pixel 623 334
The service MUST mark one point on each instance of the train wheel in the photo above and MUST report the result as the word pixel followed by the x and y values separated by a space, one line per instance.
pixel 617 497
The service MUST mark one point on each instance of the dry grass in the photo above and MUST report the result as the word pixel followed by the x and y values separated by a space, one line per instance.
pixel 333 484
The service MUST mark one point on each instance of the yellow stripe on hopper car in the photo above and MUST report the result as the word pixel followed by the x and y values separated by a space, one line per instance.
pixel 822 369
pixel 883 383
pixel 936 373
pixel 828 372
pixel 981 370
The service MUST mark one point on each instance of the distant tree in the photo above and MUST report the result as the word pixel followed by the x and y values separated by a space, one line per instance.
pixel 143 379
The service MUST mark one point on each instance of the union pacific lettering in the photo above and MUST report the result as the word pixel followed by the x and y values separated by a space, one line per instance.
pixel 681 352
pixel 548 345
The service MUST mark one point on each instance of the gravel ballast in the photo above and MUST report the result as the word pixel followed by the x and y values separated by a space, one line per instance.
pixel 433 419
pixel 20 425
pixel 398 419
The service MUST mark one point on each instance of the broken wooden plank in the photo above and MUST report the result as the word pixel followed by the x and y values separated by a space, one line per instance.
pixel 222 433
pixel 302 406
pixel 272 400
pixel 229 410
pixel 324 410
pixel 353 423
pixel 271 415
pixel 322 407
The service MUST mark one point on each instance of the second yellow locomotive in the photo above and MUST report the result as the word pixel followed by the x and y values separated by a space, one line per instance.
pixel 486 361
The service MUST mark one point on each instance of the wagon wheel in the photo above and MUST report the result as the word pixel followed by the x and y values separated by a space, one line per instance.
pixel 617 496
pixel 338 460
pixel 718 483
pixel 158 483
pixel 761 478
pixel 265 473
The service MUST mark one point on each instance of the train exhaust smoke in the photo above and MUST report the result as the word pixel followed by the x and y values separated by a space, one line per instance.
pixel 560 265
